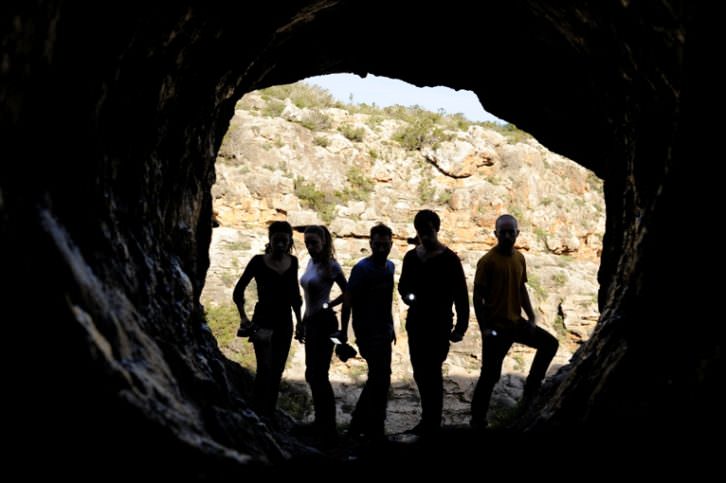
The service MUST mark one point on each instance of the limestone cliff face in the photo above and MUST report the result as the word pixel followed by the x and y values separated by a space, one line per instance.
pixel 112 127
pixel 353 169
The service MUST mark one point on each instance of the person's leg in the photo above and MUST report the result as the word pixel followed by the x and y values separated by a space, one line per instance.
pixel 281 341
pixel 494 349
pixel 378 356
pixel 359 420
pixel 318 354
pixel 263 377
pixel 428 353
pixel 546 345
pixel 417 353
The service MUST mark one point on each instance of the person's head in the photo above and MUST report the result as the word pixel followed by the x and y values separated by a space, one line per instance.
pixel 427 224
pixel 319 243
pixel 279 235
pixel 380 241
pixel 506 231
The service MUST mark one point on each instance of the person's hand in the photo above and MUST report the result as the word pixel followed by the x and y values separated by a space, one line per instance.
pixel 456 336
pixel 300 333
pixel 409 298
pixel 245 327
pixel 338 334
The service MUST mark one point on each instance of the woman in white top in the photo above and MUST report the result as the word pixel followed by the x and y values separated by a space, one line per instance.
pixel 319 322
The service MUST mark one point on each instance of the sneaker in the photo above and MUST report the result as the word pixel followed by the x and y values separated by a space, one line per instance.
pixel 422 429
pixel 417 430
pixel 479 424
pixel 528 395
pixel 327 439
pixel 245 330
pixel 355 433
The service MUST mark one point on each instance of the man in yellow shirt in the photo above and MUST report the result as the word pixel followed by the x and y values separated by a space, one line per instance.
pixel 500 295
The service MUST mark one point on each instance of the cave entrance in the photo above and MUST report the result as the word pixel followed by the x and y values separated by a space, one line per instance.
pixel 296 152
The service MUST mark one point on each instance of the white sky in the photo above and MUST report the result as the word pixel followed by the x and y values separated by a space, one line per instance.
pixel 386 92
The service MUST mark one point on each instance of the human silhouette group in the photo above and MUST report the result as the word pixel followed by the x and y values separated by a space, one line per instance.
pixel 433 286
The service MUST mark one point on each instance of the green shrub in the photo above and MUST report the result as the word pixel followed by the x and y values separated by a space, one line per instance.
pixel 224 321
pixel 241 245
pixel 301 94
pixel 426 191
pixel 273 108
pixel 359 185
pixel 368 109
pixel 308 194
pixel 355 134
pixel 517 212
pixel 373 121
pixel 536 285
pixel 310 197
pixel 419 133
pixel 510 131
pixel 444 196
pixel 456 122
pixel 559 278
pixel 321 141
pixel 316 121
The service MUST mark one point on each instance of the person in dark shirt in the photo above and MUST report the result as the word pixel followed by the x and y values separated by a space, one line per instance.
pixel 432 280
pixel 370 295
pixel 271 328
pixel 500 295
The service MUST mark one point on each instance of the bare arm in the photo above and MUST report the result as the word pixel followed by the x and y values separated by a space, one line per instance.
pixel 296 298
pixel 481 292
pixel 239 290
pixel 404 282
pixel 461 302
pixel 343 284
pixel 296 311
pixel 527 305
pixel 345 315
pixel 478 300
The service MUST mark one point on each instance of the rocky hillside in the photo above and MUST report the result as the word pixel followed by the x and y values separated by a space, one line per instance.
pixel 292 153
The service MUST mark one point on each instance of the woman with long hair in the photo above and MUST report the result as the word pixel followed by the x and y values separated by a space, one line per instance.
pixel 319 322
pixel 270 330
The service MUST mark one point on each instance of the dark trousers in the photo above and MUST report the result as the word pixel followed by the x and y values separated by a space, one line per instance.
pixel 495 348
pixel 428 352
pixel 318 354
pixel 370 412
pixel 271 357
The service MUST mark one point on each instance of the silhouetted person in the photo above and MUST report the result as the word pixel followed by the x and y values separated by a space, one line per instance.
pixel 270 331
pixel 319 323
pixel 500 295
pixel 370 295
pixel 432 280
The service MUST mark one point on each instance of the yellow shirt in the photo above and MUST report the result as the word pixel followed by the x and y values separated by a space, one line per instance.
pixel 500 278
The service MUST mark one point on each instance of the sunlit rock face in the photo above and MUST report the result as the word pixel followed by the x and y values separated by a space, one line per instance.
pixel 112 117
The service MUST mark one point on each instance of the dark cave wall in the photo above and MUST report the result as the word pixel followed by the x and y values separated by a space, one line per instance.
pixel 106 219
pixel 112 126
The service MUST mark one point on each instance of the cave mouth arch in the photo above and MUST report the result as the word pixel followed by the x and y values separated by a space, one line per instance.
pixel 295 153
pixel 121 233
